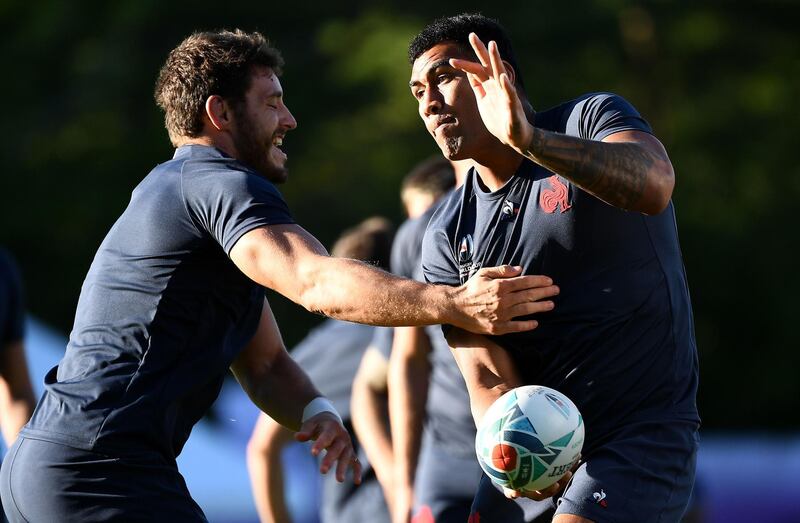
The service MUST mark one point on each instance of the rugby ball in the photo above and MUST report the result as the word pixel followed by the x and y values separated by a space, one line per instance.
pixel 529 438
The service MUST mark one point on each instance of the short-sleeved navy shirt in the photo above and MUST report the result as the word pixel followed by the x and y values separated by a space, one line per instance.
pixel 620 341
pixel 448 415
pixel 12 307
pixel 163 310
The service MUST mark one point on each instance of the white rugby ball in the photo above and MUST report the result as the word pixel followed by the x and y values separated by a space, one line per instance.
pixel 529 438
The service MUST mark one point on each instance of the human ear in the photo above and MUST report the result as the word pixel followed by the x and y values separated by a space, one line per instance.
pixel 218 112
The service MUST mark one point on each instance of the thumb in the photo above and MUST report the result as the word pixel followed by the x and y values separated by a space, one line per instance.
pixel 307 432
pixel 503 271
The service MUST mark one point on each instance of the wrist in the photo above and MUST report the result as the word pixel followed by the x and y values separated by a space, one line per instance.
pixel 525 138
pixel 534 143
pixel 319 405
pixel 456 302
pixel 444 303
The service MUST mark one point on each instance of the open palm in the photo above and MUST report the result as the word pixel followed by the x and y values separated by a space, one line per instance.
pixel 498 102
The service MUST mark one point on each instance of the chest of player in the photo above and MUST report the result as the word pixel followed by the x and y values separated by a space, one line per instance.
pixel 529 221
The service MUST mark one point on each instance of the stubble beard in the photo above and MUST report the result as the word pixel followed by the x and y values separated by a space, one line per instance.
pixel 254 153
pixel 451 147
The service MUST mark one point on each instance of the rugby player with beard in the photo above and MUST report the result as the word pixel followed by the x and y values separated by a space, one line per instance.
pixel 175 297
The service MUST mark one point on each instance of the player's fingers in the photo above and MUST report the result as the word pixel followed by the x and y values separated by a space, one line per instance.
pixel 496 62
pixel 469 66
pixel 508 327
pixel 480 49
pixel 345 460
pixel 524 309
pixel 504 271
pixel 521 283
pixel 324 441
pixel 509 90
pixel 332 454
pixel 356 470
pixel 531 295
pixel 310 430
pixel 477 85
pixel 552 490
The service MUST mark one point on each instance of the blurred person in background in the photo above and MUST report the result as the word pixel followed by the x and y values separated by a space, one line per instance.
pixel 330 355
pixel 174 298
pixel 581 194
pixel 432 433
pixel 16 394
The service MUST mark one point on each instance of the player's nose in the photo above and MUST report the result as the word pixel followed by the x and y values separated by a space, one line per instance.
pixel 431 102
pixel 287 119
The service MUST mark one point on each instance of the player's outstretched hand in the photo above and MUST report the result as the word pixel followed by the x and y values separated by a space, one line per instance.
pixel 494 296
pixel 329 435
pixel 553 490
pixel 498 102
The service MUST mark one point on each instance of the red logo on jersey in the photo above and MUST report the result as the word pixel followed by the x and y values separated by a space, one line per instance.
pixel 475 517
pixel 550 199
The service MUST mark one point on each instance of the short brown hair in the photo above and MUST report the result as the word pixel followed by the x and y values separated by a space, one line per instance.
pixel 206 64
pixel 369 241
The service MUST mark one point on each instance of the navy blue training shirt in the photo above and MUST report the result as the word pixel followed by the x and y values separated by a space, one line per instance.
pixel 620 341
pixel 12 308
pixel 163 310
pixel 448 415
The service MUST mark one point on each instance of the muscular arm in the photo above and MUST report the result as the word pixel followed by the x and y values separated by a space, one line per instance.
pixel 270 377
pixel 629 169
pixel 487 368
pixel 409 373
pixel 280 388
pixel 369 412
pixel 266 470
pixel 289 260
pixel 16 394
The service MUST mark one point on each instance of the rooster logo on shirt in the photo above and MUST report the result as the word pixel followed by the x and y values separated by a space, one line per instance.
pixel 551 198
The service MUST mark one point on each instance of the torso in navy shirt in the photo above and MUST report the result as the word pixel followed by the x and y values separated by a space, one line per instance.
pixel 620 341
pixel 448 420
pixel 162 312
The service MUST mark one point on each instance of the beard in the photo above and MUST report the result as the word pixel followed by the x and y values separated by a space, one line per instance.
pixel 255 152
pixel 451 147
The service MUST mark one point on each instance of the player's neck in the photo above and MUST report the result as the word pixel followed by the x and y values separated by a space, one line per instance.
pixel 222 142
pixel 496 169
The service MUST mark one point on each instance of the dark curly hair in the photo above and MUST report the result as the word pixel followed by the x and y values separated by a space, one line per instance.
pixel 457 29
pixel 206 64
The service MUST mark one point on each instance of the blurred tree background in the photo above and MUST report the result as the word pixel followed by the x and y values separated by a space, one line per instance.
pixel 718 82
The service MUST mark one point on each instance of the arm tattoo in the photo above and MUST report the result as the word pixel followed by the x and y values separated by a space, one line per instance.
pixel 614 172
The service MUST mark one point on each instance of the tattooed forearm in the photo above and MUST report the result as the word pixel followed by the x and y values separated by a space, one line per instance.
pixel 614 172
